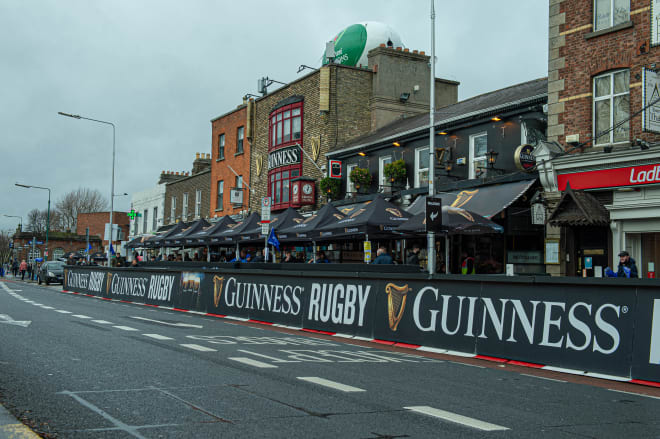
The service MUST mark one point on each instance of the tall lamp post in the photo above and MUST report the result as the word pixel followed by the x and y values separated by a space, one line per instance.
pixel 431 235
pixel 47 214
pixel 112 187
pixel 20 228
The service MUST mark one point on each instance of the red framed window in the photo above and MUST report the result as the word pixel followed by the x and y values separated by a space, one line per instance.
pixel 285 130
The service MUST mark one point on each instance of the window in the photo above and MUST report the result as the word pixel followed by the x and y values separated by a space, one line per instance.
pixel 33 254
pixel 350 186
pixel 145 222
pixel 135 225
pixel 609 13
pixel 221 146
pixel 285 131
pixel 239 140
pixel 612 107
pixel 285 125
pixel 478 149
pixel 422 167
pixel 198 202
pixel 239 182
pixel 221 187
pixel 382 161
pixel 184 207
pixel 155 219
pixel 58 253
pixel 173 210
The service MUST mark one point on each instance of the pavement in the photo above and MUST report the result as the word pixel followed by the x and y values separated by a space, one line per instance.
pixel 12 428
pixel 80 367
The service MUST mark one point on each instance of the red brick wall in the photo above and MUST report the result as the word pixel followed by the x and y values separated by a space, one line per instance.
pixel 228 125
pixel 586 58
pixel 69 243
pixel 96 223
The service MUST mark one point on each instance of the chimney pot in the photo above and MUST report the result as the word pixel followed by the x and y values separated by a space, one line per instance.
pixel 406 50
pixel 398 49
pixel 415 51
pixel 421 52
pixel 197 155
pixel 382 44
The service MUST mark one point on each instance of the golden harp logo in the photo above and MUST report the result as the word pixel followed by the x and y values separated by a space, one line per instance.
pixel 217 289
pixel 395 212
pixel 108 281
pixel 463 198
pixel 396 303
pixel 260 165
pixel 358 212
pixel 66 272
pixel 316 147
pixel 462 212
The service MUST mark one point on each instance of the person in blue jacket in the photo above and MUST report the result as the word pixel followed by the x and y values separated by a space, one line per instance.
pixel 382 257
pixel 627 267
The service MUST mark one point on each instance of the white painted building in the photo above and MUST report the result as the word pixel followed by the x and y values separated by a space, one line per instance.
pixel 150 205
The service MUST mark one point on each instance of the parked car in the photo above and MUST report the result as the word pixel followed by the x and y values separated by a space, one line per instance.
pixel 52 271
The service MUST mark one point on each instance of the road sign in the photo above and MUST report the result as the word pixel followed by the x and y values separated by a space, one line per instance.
pixel 367 251
pixel 265 208
pixel 433 214
pixel 265 228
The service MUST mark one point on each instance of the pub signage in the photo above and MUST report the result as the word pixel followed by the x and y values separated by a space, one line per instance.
pixel 629 176
pixel 284 157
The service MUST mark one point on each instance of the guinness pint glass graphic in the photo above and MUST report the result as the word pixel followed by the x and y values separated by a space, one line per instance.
pixel 654 357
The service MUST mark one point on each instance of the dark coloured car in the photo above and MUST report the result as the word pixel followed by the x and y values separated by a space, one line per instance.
pixel 52 271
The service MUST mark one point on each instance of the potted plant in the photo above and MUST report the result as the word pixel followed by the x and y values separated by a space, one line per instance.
pixel 331 187
pixel 395 171
pixel 361 178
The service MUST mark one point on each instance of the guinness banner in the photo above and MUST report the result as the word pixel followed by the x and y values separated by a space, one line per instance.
pixel 599 325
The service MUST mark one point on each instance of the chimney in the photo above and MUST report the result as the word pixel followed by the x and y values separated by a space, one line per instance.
pixel 201 163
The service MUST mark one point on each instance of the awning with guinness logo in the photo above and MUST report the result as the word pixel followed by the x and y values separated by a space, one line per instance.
pixel 204 236
pixel 486 201
pixel 307 228
pixel 178 239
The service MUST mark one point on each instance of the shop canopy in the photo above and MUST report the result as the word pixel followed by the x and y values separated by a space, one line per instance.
pixel 455 221
pixel 486 201
pixel 281 221
pixel 205 235
pixel 377 218
pixel 159 240
pixel 308 228
pixel 138 242
pixel 178 239
pixel 235 232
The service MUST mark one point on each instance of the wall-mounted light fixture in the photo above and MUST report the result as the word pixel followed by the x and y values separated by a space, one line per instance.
pixel 404 97
pixel 443 133
pixel 492 158
pixel 495 119
pixel 396 144
pixel 361 154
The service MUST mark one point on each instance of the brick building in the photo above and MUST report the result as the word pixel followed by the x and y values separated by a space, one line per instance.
pixel 96 222
pixel 231 150
pixel 187 194
pixel 59 243
pixel 297 124
pixel 602 78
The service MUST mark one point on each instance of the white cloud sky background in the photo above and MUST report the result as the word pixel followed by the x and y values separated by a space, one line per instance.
pixel 161 70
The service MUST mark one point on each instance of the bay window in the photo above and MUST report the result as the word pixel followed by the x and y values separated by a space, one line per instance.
pixel 285 155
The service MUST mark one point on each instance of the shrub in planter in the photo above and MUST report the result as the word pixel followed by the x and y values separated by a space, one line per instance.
pixel 395 171
pixel 331 187
pixel 361 178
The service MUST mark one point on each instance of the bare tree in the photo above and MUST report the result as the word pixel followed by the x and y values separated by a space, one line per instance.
pixel 5 250
pixel 37 221
pixel 82 200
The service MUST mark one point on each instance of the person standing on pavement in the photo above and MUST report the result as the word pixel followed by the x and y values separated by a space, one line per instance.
pixel 382 257
pixel 23 268
pixel 627 266
pixel 14 268
pixel 413 257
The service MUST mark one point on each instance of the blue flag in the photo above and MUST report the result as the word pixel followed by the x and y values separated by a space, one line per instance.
pixel 272 239
pixel 112 250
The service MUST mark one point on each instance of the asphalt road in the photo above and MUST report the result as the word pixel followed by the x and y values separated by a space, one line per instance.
pixel 79 367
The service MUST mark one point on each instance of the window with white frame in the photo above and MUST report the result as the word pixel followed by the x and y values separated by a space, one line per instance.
pixel 240 135
pixel 198 202
pixel 173 210
pixel 478 149
pixel 612 107
pixel 221 190
pixel 145 220
pixel 422 167
pixel 382 161
pixel 33 253
pixel 154 226
pixel 609 13
pixel 350 186
pixel 184 207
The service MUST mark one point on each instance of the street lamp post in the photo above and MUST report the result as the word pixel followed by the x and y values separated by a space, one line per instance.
pixel 47 214
pixel 15 216
pixel 112 187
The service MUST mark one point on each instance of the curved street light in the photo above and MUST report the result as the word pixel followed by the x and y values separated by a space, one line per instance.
pixel 47 214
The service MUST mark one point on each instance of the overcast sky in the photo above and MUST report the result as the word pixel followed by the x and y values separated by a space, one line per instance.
pixel 161 70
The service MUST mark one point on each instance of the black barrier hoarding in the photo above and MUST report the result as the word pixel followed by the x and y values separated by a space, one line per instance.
pixel 189 294
pixel 586 328
pixel 646 356
pixel 154 288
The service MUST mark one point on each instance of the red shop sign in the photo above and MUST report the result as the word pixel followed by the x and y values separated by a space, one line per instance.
pixel 631 176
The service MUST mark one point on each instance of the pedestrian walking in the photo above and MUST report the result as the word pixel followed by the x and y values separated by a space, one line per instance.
pixel 23 268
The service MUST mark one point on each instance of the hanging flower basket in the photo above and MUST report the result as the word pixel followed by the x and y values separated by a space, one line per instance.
pixel 396 171
pixel 361 178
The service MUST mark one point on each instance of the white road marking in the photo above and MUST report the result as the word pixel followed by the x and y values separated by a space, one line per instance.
pixel 158 336
pixel 37 304
pixel 61 311
pixel 331 384
pixel 125 328
pixel 467 364
pixel 103 322
pixel 180 325
pixel 4 318
pixel 276 360
pixel 456 418
pixel 80 316
pixel 47 307
pixel 198 348
pixel 636 394
pixel 251 362
pixel 543 378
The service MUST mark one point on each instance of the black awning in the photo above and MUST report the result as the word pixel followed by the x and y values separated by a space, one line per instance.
pixel 203 236
pixel 177 240
pixel 486 201
pixel 455 221
pixel 307 229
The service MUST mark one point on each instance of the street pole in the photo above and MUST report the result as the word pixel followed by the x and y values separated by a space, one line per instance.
pixel 431 235
pixel 47 214
pixel 112 187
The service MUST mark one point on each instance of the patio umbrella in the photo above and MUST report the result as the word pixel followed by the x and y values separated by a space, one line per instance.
pixel 455 221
